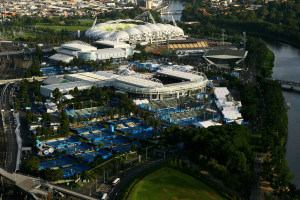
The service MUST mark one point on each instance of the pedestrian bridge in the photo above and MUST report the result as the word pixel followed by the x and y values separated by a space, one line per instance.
pixel 286 83
pixel 170 12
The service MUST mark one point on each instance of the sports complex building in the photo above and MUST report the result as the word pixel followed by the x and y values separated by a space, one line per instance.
pixel 180 83
pixel 77 49
pixel 134 31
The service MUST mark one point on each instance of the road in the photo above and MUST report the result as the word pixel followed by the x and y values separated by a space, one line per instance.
pixel 255 188
pixel 130 174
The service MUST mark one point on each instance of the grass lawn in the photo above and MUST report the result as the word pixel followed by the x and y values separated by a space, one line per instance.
pixel 167 184
pixel 68 28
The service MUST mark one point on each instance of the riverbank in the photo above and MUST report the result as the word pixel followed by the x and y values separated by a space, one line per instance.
pixel 262 29
pixel 287 67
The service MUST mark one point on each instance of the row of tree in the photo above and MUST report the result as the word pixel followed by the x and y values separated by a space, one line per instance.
pixel 224 150
pixel 274 20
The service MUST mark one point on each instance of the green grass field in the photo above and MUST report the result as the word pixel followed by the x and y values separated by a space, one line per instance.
pixel 68 28
pixel 170 184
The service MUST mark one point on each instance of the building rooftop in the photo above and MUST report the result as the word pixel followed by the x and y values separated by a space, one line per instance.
pixel 68 85
pixel 54 80
pixel 180 74
pixel 112 43
pixel 78 47
pixel 61 57
pixel 226 53
pixel 87 76
pixel 108 50
pixel 138 81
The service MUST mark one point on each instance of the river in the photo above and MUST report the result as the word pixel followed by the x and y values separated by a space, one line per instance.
pixel 175 5
pixel 287 67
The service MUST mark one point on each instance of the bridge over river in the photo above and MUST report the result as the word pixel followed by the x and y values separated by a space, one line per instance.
pixel 291 85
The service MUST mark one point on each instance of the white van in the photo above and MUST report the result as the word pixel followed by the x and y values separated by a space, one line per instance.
pixel 104 196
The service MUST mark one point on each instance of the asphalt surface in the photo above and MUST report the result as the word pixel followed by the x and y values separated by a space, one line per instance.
pixel 130 174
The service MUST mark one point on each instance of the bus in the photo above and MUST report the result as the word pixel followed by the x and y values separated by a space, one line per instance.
pixel 116 182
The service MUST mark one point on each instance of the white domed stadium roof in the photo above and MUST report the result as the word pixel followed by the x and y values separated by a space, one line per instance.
pixel 133 31
pixel 110 30
pixel 121 35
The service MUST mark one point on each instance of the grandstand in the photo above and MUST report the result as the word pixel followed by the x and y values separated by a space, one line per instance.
pixel 188 44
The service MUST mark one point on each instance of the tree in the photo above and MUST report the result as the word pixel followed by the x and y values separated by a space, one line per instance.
pixel 32 165
pixel 52 174
pixel 56 94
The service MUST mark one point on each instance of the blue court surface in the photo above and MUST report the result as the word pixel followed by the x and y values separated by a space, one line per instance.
pixel 60 143
pixel 57 163
pixel 90 157
pixel 76 149
pixel 76 169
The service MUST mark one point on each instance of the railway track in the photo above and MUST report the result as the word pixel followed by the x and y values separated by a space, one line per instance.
pixel 3 137
pixel 9 149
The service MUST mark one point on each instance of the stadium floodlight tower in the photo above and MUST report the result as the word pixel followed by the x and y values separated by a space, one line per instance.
pixel 151 17
pixel 174 22
pixel 223 35
pixel 244 36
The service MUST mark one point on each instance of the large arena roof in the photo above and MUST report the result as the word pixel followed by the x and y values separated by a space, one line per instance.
pixel 78 46
pixel 189 76
pixel 138 82
pixel 88 76
pixel 61 57
pixel 132 31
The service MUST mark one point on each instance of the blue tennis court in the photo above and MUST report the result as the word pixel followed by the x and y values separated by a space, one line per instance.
pixel 60 143
pixel 90 157
pixel 56 163
pixel 112 142
pixel 99 136
pixel 76 149
pixel 76 169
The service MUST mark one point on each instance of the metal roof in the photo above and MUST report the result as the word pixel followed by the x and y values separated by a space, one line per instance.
pixel 225 53
pixel 109 50
pixel 112 43
pixel 138 82
pixel 69 85
pixel 61 57
pixel 180 74
pixel 78 47
pixel 54 80
pixel 87 76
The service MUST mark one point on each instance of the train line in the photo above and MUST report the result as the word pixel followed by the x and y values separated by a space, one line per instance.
pixel 8 136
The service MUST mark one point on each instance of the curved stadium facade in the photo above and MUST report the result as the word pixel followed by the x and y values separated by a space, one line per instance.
pixel 137 86
pixel 133 31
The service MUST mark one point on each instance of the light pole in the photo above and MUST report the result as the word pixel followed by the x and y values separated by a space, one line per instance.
pixel 146 152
